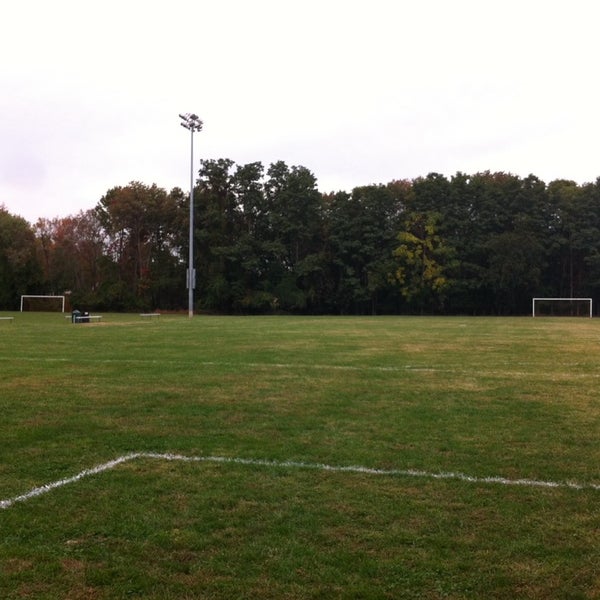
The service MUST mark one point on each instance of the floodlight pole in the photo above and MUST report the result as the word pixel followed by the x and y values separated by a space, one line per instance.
pixel 193 123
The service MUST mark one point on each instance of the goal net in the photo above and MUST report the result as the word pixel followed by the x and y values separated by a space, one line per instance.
pixel 43 303
pixel 562 307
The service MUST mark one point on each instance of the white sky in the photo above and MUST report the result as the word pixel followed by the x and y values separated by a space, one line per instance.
pixel 358 92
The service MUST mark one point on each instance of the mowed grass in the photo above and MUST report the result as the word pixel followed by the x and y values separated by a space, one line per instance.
pixel 508 398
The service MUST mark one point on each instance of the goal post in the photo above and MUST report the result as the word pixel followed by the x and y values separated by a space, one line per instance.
pixel 36 302
pixel 562 307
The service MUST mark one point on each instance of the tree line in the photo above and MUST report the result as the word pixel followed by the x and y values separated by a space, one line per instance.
pixel 267 240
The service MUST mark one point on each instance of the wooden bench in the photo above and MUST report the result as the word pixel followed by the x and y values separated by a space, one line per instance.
pixel 149 315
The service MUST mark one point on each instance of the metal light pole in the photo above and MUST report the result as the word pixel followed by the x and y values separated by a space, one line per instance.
pixel 193 123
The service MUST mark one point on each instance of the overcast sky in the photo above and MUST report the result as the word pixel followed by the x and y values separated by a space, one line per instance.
pixel 358 92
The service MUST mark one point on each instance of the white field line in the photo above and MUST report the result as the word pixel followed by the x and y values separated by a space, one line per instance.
pixel 317 366
pixel 211 363
pixel 534 483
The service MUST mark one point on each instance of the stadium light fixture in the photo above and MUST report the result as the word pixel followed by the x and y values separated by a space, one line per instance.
pixel 193 123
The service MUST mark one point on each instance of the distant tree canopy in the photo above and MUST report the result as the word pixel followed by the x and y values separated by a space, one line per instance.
pixel 267 240
pixel 19 268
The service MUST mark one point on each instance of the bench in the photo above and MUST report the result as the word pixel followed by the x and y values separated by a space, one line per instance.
pixel 149 315
pixel 11 319
pixel 88 318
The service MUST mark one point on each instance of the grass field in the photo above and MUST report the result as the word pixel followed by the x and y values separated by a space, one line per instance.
pixel 479 439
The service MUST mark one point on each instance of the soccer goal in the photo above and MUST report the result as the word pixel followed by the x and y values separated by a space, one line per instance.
pixel 42 303
pixel 562 307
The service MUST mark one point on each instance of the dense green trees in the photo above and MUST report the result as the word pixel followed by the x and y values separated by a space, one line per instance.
pixel 142 240
pixel 267 240
pixel 20 271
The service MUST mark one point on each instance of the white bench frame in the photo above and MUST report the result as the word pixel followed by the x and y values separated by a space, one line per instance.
pixel 86 318
pixel 11 319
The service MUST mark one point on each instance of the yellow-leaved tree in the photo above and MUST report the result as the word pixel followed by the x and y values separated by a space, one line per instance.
pixel 424 262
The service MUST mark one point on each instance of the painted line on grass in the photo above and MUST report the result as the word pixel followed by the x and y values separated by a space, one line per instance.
pixel 556 375
pixel 212 363
pixel 534 483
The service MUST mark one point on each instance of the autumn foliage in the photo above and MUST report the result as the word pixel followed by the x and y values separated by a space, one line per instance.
pixel 270 241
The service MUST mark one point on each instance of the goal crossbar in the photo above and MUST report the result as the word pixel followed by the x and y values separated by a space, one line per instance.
pixel 534 300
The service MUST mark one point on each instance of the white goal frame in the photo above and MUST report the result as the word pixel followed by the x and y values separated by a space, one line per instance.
pixel 43 296
pixel 534 300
